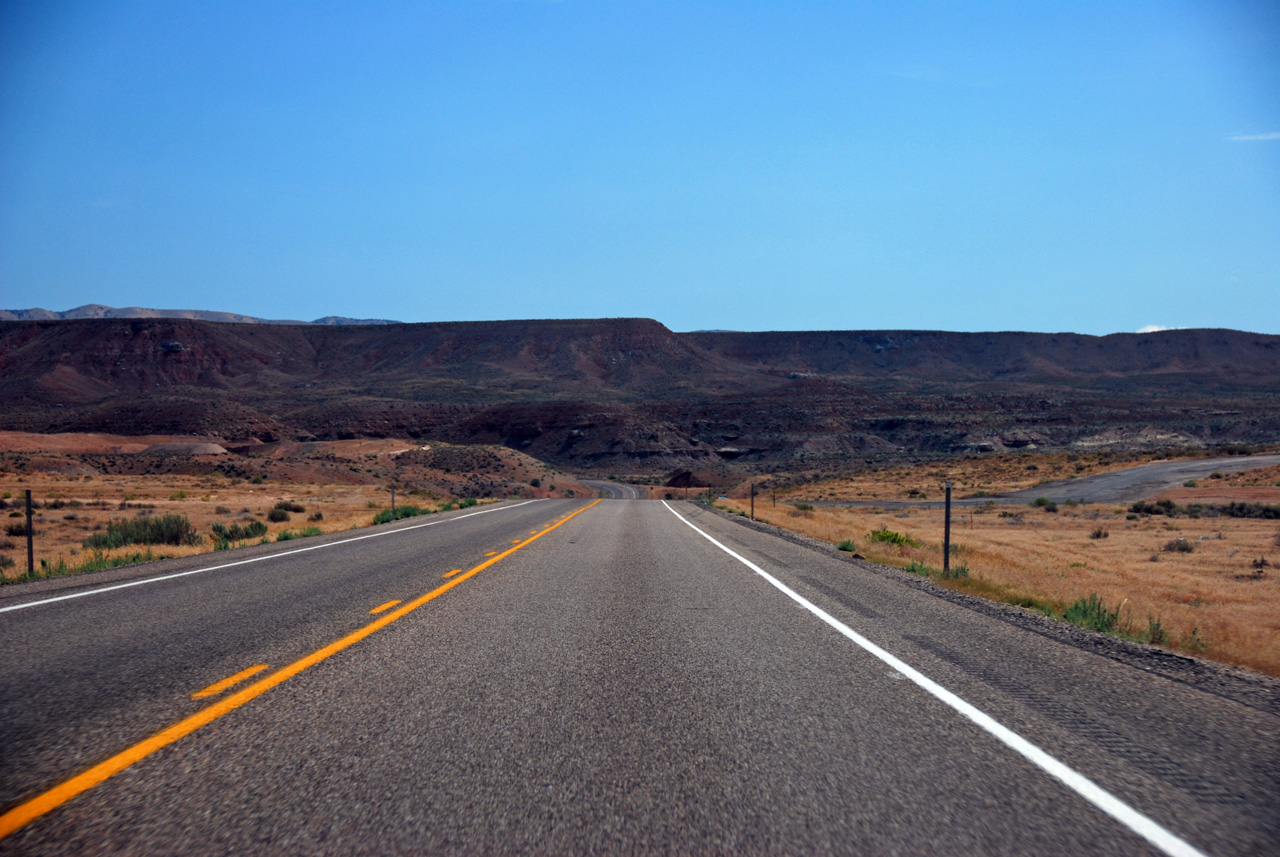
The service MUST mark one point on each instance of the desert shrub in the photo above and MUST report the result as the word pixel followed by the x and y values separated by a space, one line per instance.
pixel 803 507
pixel 277 516
pixel 535 482
pixel 916 567
pixel 1051 507
pixel 1099 533
pixel 6 561
pixel 1159 507
pixel 1155 632
pixel 386 516
pixel 178 495
pixel 6 545
pixel 1092 613
pixel 1041 501
pixel 889 537
pixel 955 572
pixel 1251 510
pixel 847 545
pixel 316 516
pixel 16 530
pixel 287 535
pixel 239 533
pixel 1190 483
pixel 472 501
pixel 1196 642
pixel 221 510
pixel 291 506
pixel 145 530
pixel 1179 545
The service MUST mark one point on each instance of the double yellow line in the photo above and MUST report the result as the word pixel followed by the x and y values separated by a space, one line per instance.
pixel 29 811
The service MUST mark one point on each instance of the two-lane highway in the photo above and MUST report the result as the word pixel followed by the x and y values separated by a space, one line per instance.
pixel 567 676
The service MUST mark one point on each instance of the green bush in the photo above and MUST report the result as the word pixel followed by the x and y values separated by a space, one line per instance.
pixel 386 516
pixel 277 516
pixel 847 546
pixel 1179 546
pixel 145 530
pixel 224 535
pixel 288 535
pixel 290 506
pixel 916 567
pixel 1092 613
pixel 955 572
pixel 889 537
pixel 472 501
pixel 803 507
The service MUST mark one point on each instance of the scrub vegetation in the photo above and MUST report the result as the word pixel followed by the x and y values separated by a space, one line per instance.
pixel 1191 573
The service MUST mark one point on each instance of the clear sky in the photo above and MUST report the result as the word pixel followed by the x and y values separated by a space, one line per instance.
pixel 1076 166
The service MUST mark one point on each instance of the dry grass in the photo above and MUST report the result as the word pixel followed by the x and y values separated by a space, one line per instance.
pixel 975 476
pixel 1210 602
pixel 89 503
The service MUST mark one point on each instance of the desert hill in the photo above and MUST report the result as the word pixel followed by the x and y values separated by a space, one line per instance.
pixel 103 311
pixel 631 394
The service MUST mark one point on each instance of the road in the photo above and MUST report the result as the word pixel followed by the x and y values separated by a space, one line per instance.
pixel 613 490
pixel 569 676
pixel 1140 483
pixel 1127 485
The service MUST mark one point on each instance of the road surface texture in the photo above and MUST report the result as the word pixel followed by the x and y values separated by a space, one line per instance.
pixel 613 490
pixel 597 677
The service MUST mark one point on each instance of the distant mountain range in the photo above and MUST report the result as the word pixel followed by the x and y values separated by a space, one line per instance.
pixel 630 395
pixel 101 311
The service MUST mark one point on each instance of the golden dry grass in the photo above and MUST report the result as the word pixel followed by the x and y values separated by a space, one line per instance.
pixel 90 503
pixel 1211 596
pixel 975 476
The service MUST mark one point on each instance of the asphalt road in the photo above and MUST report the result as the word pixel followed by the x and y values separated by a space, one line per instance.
pixel 1143 482
pixel 613 490
pixel 1127 485
pixel 610 682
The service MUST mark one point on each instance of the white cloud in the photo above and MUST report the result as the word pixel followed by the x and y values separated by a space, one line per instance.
pixel 1253 138
pixel 1156 328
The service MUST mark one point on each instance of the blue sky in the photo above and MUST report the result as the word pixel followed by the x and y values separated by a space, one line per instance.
pixel 1085 166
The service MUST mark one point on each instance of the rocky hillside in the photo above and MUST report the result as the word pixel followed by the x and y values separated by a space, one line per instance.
pixel 626 394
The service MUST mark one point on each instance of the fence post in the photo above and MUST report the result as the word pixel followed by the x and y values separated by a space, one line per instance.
pixel 753 501
pixel 31 533
pixel 946 536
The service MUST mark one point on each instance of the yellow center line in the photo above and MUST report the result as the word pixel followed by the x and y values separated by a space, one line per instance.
pixel 230 681
pixel 490 553
pixel 452 573
pixel 386 606
pixel 55 797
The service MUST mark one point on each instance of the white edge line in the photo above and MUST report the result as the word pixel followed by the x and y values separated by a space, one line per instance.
pixel 257 558
pixel 1140 824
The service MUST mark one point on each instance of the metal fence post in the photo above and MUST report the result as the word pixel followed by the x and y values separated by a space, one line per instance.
pixel 31 533
pixel 946 536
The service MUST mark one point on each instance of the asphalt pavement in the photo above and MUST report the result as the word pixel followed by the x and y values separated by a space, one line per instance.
pixel 563 676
